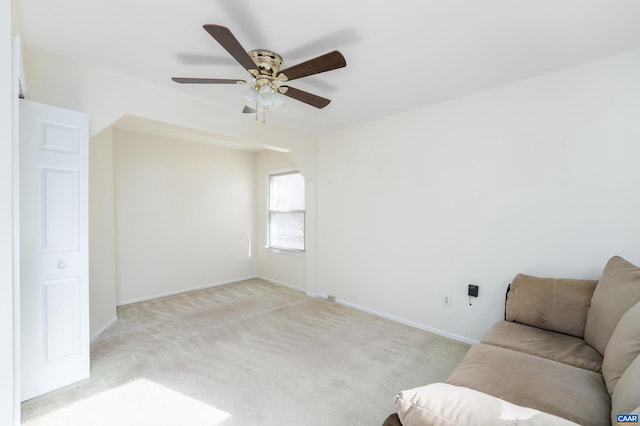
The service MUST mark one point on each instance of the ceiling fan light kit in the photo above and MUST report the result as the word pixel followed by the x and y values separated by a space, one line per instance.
pixel 264 66
pixel 261 97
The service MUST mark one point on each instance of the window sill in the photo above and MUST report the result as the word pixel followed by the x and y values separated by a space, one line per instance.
pixel 286 252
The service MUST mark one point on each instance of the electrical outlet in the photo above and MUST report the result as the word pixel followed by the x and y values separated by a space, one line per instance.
pixel 446 301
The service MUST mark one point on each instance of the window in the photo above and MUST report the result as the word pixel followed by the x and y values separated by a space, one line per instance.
pixel 286 212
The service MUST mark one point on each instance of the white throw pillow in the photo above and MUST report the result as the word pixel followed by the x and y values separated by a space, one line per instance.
pixel 441 404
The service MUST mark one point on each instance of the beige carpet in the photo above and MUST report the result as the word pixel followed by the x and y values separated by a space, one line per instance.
pixel 248 353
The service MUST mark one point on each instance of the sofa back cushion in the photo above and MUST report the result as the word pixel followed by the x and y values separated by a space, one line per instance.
pixel 555 304
pixel 626 396
pixel 623 347
pixel 617 291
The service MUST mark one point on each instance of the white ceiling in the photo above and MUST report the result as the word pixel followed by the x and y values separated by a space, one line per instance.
pixel 400 55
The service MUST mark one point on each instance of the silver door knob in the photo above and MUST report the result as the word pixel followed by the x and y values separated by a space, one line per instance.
pixel 61 264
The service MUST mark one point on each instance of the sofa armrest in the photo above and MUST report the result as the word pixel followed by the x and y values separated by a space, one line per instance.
pixel 441 404
pixel 555 304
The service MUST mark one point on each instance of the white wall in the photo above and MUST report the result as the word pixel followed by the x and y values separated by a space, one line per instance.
pixel 274 265
pixel 184 215
pixel 539 177
pixel 102 262
pixel 9 408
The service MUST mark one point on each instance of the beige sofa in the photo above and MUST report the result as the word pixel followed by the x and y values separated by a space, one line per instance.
pixel 567 353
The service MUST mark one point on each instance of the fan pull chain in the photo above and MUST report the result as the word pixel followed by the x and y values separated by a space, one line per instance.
pixel 264 115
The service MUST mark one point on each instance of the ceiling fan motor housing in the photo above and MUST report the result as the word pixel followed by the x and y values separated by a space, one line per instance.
pixel 268 62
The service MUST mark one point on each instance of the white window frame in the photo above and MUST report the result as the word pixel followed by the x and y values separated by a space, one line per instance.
pixel 268 245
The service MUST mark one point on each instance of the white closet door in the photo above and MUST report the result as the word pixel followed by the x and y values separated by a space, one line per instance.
pixel 54 273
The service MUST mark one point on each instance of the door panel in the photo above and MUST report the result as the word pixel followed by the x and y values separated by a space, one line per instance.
pixel 54 284
pixel 60 209
pixel 62 317
pixel 59 137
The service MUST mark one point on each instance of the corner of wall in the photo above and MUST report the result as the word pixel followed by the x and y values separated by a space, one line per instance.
pixel 102 260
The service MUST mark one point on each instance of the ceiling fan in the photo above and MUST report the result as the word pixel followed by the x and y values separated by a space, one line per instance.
pixel 264 65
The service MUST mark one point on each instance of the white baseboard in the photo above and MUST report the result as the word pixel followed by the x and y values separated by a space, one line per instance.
pixel 310 294
pixel 282 283
pixel 103 329
pixel 183 290
pixel 400 320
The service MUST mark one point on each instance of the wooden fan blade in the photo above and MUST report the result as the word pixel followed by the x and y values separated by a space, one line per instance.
pixel 247 110
pixel 206 80
pixel 227 40
pixel 327 62
pixel 306 97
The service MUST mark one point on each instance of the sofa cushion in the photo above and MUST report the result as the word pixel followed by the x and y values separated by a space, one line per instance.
pixel 617 291
pixel 626 395
pixel 550 303
pixel 563 390
pixel 440 404
pixel 623 347
pixel 547 344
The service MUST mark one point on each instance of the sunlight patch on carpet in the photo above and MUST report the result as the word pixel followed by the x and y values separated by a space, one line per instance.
pixel 138 403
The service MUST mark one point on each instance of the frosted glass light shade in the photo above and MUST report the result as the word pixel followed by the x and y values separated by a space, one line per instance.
pixel 251 97
pixel 266 96
pixel 278 100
